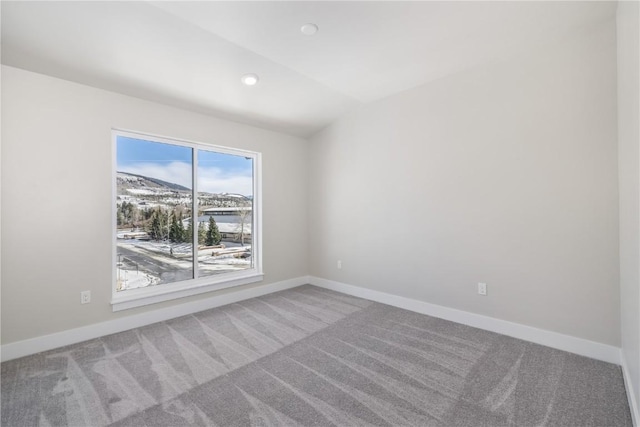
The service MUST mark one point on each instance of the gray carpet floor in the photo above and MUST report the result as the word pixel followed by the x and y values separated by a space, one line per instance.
pixel 309 356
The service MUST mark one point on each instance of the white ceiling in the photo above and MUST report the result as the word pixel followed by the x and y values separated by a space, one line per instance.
pixel 192 54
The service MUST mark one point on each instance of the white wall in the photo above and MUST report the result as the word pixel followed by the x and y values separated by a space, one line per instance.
pixel 629 158
pixel 504 174
pixel 56 197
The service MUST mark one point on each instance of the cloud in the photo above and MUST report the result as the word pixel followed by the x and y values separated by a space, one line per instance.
pixel 210 179
pixel 216 180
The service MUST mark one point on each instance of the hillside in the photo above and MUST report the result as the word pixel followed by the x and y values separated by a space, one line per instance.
pixel 131 181
pixel 146 191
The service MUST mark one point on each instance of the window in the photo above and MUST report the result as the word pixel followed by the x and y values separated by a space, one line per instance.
pixel 186 218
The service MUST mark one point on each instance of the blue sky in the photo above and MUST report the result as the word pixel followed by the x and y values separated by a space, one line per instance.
pixel 217 172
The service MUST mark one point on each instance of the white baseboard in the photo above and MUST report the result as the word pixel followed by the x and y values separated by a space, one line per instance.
pixel 579 346
pixel 631 393
pixel 72 336
pixel 568 343
pixel 556 340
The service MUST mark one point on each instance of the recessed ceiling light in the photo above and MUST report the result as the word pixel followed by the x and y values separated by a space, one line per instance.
pixel 309 29
pixel 250 79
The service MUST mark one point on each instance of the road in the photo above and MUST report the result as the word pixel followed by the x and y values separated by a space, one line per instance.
pixel 168 271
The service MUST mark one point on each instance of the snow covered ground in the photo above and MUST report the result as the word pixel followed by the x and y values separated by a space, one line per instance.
pixel 131 279
pixel 148 263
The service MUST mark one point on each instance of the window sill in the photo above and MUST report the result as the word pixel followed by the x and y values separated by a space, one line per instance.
pixel 170 291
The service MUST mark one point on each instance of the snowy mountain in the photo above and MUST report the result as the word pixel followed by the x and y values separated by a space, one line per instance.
pixel 131 181
pixel 151 192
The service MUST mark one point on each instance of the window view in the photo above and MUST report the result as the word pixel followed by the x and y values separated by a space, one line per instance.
pixel 225 200
pixel 156 239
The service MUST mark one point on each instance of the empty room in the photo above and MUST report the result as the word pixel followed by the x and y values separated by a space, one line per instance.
pixel 320 213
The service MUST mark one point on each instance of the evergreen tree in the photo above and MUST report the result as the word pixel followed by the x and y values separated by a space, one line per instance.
pixel 181 233
pixel 213 234
pixel 188 232
pixel 155 229
pixel 128 212
pixel 163 216
pixel 202 234
pixel 175 235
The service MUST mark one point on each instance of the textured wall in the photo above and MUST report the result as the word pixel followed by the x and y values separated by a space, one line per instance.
pixel 56 197
pixel 505 173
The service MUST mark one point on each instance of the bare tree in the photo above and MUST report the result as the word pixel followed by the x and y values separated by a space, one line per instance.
pixel 244 220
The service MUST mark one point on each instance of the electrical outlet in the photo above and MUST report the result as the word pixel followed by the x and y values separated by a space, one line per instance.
pixel 85 297
pixel 339 264
pixel 482 289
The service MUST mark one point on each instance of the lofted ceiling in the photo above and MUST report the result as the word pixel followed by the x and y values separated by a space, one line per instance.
pixel 193 54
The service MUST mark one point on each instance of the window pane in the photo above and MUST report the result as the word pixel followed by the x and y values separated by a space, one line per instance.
pixel 154 204
pixel 225 212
